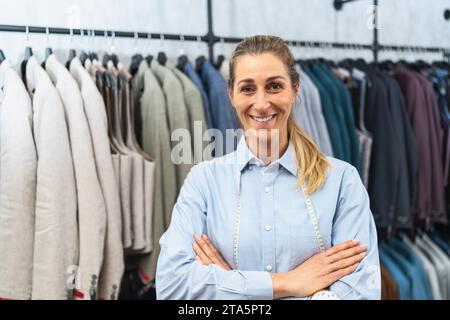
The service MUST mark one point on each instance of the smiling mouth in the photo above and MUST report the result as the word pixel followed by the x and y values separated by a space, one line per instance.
pixel 263 119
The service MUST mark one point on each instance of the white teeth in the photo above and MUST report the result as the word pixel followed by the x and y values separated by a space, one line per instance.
pixel 259 119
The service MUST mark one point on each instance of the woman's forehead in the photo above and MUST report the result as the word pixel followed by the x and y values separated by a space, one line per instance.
pixel 266 64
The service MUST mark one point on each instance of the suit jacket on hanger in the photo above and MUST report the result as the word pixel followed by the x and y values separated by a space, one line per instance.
pixel 178 117
pixel 156 143
pixel 195 108
pixel 91 204
pixel 18 164
pixel 113 264
pixel 56 234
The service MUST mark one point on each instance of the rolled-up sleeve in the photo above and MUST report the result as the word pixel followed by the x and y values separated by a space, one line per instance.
pixel 353 220
pixel 179 275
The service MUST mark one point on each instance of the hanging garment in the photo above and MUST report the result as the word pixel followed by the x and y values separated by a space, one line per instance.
pixel 430 173
pixel 431 273
pixel 123 163
pixel 365 147
pixel 18 165
pixel 329 116
pixel 190 72
pixel 194 104
pixel 117 105
pixel 438 263
pixel 178 118
pixel 113 261
pixel 149 165
pixel 156 143
pixel 91 204
pixel 348 116
pixel 437 200
pixel 388 285
pixel 406 152
pixel 416 262
pixel 445 260
pixel 222 112
pixel 417 288
pixel 301 115
pixel 358 91
pixel 384 163
pixel 402 281
pixel 56 237
pixel 313 98
pixel 333 92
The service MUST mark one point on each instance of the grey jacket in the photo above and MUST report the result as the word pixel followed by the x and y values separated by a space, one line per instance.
pixel 18 164
pixel 156 143
pixel 178 115
pixel 194 104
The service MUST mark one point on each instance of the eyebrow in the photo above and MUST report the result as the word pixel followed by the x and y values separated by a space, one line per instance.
pixel 249 80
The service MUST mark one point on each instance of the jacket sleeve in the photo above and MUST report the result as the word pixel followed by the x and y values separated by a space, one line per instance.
pixel 353 220
pixel 179 275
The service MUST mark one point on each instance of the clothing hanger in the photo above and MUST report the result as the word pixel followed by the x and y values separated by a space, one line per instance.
pixel 48 50
pixel 182 60
pixel 220 60
pixel 136 59
pixel 199 63
pixel 2 56
pixel 135 62
pixel 28 54
pixel 162 58
pixel 72 54
pixel 149 59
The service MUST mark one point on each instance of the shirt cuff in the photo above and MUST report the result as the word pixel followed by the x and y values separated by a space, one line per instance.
pixel 259 285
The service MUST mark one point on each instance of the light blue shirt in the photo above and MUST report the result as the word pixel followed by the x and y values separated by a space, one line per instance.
pixel 275 232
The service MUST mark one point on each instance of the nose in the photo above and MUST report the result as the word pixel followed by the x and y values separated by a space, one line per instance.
pixel 261 103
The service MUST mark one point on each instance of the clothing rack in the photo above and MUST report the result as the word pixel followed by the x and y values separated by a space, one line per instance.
pixel 377 47
pixel 211 39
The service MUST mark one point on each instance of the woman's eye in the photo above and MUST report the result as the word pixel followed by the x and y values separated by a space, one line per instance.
pixel 275 86
pixel 246 90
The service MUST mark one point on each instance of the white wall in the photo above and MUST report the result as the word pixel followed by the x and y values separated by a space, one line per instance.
pixel 406 22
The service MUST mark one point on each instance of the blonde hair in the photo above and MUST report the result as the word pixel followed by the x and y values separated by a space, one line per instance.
pixel 312 163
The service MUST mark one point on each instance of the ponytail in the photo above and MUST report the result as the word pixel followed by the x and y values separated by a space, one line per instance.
pixel 312 163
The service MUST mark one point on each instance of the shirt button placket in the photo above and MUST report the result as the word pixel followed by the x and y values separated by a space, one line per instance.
pixel 267 225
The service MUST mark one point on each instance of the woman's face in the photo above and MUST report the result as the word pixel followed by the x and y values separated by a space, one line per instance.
pixel 262 94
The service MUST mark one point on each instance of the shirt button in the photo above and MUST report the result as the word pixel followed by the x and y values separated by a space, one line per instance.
pixel 268 228
pixel 267 189
pixel 269 268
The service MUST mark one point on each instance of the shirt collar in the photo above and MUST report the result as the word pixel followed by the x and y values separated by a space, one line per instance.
pixel 245 156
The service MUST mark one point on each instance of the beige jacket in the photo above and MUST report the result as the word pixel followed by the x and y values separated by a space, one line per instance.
pixel 113 264
pixel 18 165
pixel 56 232
pixel 91 204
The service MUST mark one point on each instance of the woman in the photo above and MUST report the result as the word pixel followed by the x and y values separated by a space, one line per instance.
pixel 276 218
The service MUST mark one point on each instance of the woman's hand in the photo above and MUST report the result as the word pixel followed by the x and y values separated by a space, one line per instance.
pixel 320 271
pixel 207 253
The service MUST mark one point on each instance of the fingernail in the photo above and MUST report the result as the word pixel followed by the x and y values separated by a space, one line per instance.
pixel 363 246
pixel 196 236
pixel 204 236
pixel 362 254
pixel 355 240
